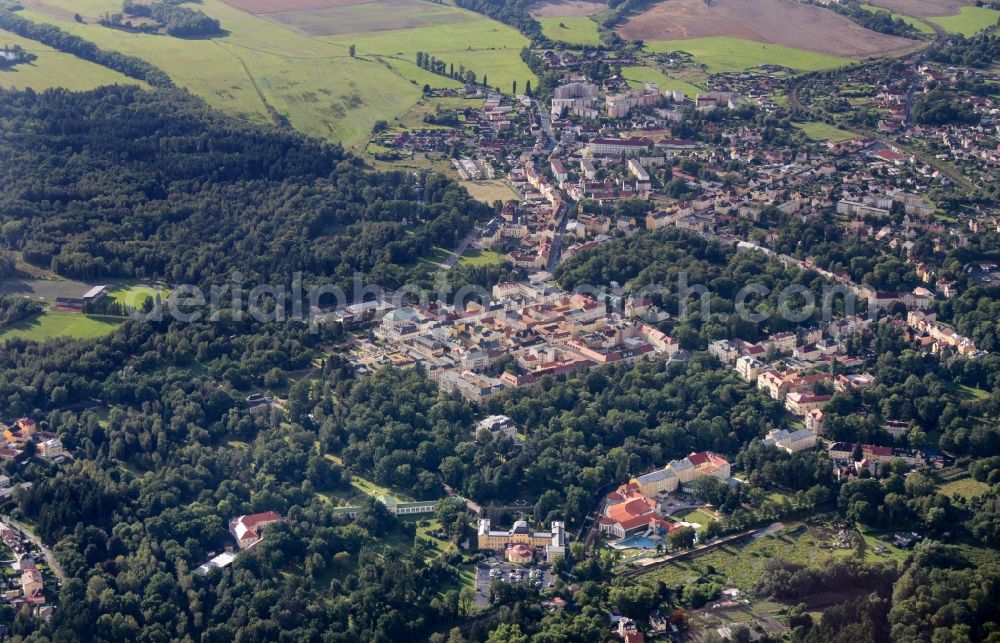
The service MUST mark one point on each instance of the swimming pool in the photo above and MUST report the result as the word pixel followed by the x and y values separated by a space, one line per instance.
pixel 637 542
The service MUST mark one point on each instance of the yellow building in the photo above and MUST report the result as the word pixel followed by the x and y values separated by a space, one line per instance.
pixel 553 542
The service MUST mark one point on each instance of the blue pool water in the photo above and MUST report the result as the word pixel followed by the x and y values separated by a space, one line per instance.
pixel 639 542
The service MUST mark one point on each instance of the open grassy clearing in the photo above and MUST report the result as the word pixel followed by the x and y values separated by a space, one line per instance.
pixel 54 68
pixel 383 15
pixel 917 24
pixel 476 257
pixel 55 323
pixel 482 45
pixel 823 132
pixel 638 75
pixel 722 54
pixel 742 563
pixel 967 488
pixel 969 21
pixel 575 30
pixel 880 551
pixel 489 191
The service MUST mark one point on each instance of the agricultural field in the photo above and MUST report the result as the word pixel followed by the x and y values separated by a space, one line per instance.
pixel 823 132
pixel 916 23
pixel 573 30
pixel 923 8
pixel 742 563
pixel 638 75
pixel 723 54
pixel 54 68
pixel 775 22
pixel 56 323
pixel 969 21
pixel 384 15
pixel 481 45
pixel 259 65
pixel 565 8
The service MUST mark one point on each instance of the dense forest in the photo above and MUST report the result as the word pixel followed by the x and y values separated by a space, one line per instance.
pixel 158 186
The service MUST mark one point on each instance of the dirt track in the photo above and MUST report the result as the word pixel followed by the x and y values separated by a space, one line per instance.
pixel 780 22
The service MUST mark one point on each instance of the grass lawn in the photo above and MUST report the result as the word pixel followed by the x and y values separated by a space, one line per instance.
pixel 701 516
pixel 636 76
pixel 722 54
pixel 742 563
pixel 871 542
pixel 54 68
pixel 489 191
pixel 136 295
pixel 968 488
pixel 822 132
pixel 574 30
pixel 476 257
pixel 970 20
pixel 54 323
pixel 916 23
pixel 367 487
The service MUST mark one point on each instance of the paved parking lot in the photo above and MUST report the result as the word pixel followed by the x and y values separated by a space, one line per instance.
pixel 492 569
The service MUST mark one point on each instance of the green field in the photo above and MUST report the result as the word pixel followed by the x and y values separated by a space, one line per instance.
pixel 916 23
pixel 54 68
pixel 482 45
pixel 968 488
pixel 489 191
pixel 722 54
pixel 476 257
pixel 970 20
pixel 822 132
pixel 259 65
pixel 743 563
pixel 55 323
pixel 135 296
pixel 700 516
pixel 574 30
pixel 636 76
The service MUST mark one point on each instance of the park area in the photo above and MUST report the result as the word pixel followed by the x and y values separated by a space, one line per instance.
pixel 741 564
pixel 776 22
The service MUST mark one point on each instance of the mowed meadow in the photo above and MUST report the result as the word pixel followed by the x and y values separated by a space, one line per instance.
pixel 52 68
pixel 269 63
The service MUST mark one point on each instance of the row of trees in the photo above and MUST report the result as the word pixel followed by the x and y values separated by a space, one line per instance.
pixel 440 67
pixel 66 42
